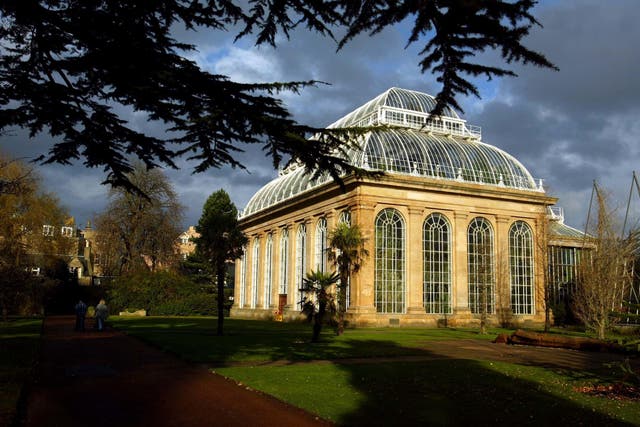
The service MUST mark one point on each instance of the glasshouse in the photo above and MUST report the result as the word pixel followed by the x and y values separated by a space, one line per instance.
pixel 454 228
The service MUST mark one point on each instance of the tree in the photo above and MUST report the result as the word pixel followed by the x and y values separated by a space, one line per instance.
pixel 318 300
pixel 221 240
pixel 605 271
pixel 138 230
pixel 9 182
pixel 76 70
pixel 24 212
pixel 348 254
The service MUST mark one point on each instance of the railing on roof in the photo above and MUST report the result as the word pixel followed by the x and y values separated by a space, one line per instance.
pixel 415 120
pixel 556 213
pixel 424 122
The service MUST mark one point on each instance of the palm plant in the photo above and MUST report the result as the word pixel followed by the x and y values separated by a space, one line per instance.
pixel 317 299
pixel 348 254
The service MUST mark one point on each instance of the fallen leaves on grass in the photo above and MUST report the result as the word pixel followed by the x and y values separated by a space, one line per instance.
pixel 617 391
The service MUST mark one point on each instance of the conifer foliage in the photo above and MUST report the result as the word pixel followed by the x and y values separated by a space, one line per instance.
pixel 77 69
pixel 221 241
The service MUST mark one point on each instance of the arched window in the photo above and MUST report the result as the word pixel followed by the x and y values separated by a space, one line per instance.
pixel 321 245
pixel 268 271
pixel 521 267
pixel 390 262
pixel 255 265
pixel 284 261
pixel 436 251
pixel 345 217
pixel 481 266
pixel 243 276
pixel 301 262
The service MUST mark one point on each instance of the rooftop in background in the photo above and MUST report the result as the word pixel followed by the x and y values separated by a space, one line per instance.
pixel 412 143
pixel 558 228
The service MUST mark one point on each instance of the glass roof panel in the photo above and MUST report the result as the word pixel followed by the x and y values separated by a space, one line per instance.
pixel 432 153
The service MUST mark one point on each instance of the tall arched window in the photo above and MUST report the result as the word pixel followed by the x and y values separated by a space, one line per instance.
pixel 255 265
pixel 284 261
pixel 268 271
pixel 521 267
pixel 481 266
pixel 436 251
pixel 301 262
pixel 321 245
pixel 243 276
pixel 390 262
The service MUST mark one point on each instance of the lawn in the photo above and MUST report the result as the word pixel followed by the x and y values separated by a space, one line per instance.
pixel 395 390
pixel 19 343
pixel 258 341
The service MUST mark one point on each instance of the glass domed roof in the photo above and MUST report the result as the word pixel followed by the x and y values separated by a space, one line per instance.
pixel 414 143
pixel 391 99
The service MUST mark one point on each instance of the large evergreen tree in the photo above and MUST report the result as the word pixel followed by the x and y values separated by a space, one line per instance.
pixel 76 69
pixel 220 241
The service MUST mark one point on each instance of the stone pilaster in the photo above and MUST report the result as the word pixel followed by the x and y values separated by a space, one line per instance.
pixel 362 283
pixel 413 245
pixel 501 265
pixel 460 272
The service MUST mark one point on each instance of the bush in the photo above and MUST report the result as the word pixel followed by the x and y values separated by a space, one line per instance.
pixel 21 293
pixel 162 293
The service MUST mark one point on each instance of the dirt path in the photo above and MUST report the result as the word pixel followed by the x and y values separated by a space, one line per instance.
pixel 109 379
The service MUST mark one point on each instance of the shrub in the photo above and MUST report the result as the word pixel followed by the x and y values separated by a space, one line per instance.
pixel 161 293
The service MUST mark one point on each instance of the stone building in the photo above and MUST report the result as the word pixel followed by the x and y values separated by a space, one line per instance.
pixel 451 218
pixel 186 246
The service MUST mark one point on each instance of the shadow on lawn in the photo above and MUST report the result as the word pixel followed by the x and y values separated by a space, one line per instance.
pixel 445 391
pixel 407 386
pixel 395 385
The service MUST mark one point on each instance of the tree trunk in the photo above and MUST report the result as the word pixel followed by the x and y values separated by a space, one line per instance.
pixel 547 309
pixel 601 330
pixel 220 270
pixel 342 297
pixel 317 321
pixel 342 307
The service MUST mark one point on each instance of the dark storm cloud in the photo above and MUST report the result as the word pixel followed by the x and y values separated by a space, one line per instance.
pixel 578 124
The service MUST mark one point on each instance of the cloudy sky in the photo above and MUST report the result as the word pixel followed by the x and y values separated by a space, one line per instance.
pixel 567 127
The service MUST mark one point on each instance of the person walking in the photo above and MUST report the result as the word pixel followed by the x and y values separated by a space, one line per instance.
pixel 81 312
pixel 102 312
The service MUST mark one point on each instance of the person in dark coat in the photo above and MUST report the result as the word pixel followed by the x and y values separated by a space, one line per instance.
pixel 81 312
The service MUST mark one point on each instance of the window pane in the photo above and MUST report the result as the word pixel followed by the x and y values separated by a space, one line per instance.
pixel 521 267
pixel 390 262
pixel 480 266
pixel 436 244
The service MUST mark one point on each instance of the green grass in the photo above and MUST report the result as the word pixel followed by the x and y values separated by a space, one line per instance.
pixel 19 343
pixel 390 391
pixel 263 341
pixel 438 392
